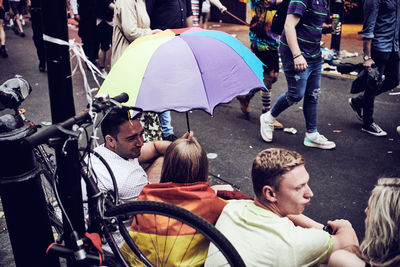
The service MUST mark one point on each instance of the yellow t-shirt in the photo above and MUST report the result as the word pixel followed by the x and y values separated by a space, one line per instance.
pixel 266 239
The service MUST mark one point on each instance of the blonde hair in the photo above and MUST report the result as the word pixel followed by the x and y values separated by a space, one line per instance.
pixel 185 162
pixel 381 245
pixel 270 164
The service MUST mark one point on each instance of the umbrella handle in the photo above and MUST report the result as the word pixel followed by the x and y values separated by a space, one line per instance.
pixel 187 121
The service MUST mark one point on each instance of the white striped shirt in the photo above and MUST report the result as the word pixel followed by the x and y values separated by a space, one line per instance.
pixel 130 176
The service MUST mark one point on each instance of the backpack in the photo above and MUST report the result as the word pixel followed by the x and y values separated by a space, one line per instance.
pixel 278 21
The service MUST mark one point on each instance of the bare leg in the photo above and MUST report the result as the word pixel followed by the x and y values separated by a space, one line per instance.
pixel 17 21
pixel 3 51
pixel 2 33
pixel 269 79
pixel 102 58
pixel 154 170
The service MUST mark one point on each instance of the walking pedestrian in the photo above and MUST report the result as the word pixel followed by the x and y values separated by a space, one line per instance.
pixel 264 44
pixel 381 47
pixel 104 31
pixel 301 58
pixel 3 50
pixel 16 7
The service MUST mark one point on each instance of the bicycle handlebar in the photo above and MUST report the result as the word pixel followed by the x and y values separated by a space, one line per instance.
pixel 121 98
pixel 52 131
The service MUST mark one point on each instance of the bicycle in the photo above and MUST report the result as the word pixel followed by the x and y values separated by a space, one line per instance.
pixel 110 220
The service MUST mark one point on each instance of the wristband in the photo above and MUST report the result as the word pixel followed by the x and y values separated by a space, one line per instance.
pixel 297 56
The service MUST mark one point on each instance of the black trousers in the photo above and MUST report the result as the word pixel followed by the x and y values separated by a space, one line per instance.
pixel 388 65
pixel 36 19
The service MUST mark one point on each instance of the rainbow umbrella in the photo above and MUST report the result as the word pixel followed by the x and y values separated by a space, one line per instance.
pixel 184 69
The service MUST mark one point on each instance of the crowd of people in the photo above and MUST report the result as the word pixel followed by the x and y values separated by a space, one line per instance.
pixel 16 9
pixel 162 167
pixel 299 50
pixel 165 170
pixel 177 173
pixel 272 220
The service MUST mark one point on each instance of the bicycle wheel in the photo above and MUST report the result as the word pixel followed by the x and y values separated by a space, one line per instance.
pixel 168 235
pixel 47 168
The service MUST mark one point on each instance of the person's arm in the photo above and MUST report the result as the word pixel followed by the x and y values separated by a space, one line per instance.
pixel 219 5
pixel 189 21
pixel 344 236
pixel 189 13
pixel 345 258
pixel 152 150
pixel 370 9
pixel 305 222
pixel 110 4
pixel 300 63
pixel 367 53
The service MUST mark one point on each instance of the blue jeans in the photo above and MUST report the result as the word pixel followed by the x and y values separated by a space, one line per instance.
pixel 165 121
pixel 301 84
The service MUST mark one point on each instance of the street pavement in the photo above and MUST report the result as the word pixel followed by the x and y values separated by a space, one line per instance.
pixel 341 179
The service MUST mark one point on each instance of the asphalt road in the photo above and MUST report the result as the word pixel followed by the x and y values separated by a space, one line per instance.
pixel 341 179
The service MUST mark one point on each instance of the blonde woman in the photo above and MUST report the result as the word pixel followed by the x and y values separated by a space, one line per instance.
pixel 381 245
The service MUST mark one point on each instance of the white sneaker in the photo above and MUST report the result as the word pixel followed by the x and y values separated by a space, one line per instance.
pixel 266 129
pixel 319 141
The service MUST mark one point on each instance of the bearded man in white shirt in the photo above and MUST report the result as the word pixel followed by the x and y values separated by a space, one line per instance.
pixel 124 150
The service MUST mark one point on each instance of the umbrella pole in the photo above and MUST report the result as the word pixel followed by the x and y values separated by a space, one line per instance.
pixel 187 121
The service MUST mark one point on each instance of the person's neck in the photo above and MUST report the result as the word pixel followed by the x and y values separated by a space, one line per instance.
pixel 113 150
pixel 268 206
pixel 109 147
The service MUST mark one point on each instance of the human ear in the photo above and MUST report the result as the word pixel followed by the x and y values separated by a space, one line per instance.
pixel 110 142
pixel 269 193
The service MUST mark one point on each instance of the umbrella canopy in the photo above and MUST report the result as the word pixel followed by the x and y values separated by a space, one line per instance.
pixel 184 69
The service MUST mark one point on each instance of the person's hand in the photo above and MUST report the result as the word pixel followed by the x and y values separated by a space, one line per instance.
pixel 223 9
pixel 77 17
pixel 155 31
pixel 338 30
pixel 300 63
pixel 188 135
pixel 337 224
pixel 368 63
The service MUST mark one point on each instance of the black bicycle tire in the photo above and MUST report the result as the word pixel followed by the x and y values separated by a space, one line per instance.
pixel 185 216
pixel 48 175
